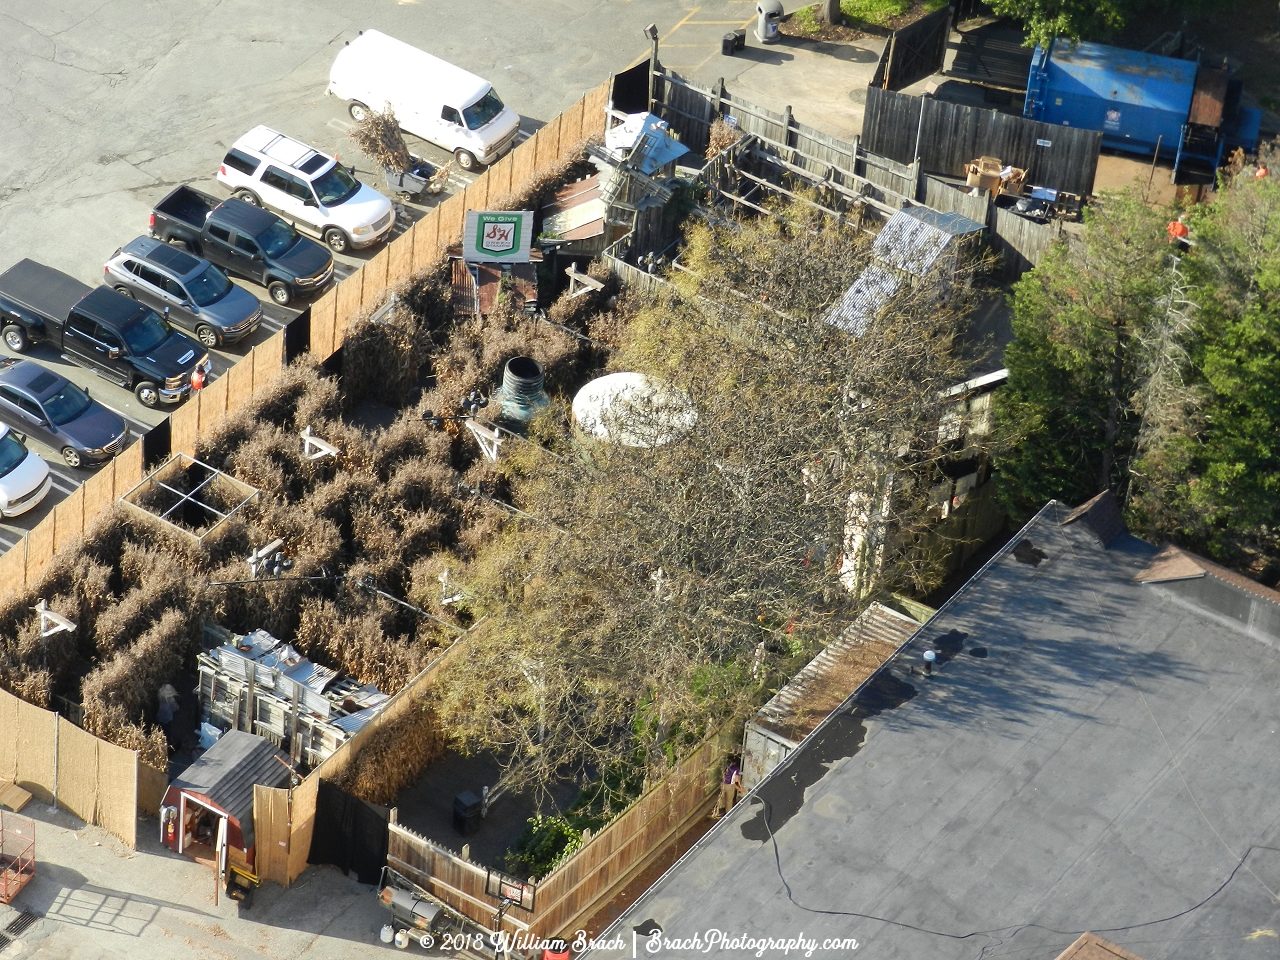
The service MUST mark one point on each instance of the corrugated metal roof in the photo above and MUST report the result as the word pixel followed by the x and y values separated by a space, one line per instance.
pixel 228 771
pixel 914 239
pixel 864 300
pixel 829 678
pixel 645 141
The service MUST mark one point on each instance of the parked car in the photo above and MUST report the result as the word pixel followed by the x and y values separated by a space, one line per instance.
pixel 39 403
pixel 117 338
pixel 306 187
pixel 193 293
pixel 244 240
pixel 24 477
pixel 432 98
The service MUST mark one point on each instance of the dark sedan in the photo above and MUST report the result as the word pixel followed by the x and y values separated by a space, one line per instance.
pixel 39 403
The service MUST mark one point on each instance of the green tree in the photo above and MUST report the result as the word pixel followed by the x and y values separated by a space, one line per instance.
pixel 1214 485
pixel 1090 19
pixel 1085 324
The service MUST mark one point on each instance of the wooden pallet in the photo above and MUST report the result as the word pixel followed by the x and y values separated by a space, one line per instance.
pixel 13 797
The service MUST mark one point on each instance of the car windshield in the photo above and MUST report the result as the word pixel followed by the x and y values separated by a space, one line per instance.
pixel 335 186
pixel 146 333
pixel 67 404
pixel 210 287
pixel 483 110
pixel 277 238
pixel 12 453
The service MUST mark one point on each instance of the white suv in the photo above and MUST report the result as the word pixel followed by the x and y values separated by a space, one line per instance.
pixel 307 188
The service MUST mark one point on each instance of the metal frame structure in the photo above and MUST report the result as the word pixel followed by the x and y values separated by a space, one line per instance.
pixel 17 854
pixel 215 479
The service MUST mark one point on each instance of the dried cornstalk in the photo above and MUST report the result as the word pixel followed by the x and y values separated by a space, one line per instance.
pixel 378 135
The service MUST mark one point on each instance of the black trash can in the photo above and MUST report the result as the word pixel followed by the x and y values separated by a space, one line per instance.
pixel 466 812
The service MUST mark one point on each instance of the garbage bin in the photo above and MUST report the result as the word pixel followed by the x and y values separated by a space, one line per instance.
pixel 466 812
pixel 768 16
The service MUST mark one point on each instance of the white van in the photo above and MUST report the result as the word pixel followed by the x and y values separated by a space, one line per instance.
pixel 432 99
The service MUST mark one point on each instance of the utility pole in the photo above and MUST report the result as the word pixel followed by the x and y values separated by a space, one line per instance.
pixel 651 31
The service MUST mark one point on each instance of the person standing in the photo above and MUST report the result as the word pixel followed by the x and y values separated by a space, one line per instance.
pixel 730 788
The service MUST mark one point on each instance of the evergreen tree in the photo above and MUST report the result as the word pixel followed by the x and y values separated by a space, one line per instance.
pixel 1070 416
pixel 1215 484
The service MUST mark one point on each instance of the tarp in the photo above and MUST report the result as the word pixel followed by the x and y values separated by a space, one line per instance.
pixel 350 833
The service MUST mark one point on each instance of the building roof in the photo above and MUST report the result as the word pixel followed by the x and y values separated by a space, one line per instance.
pixel 828 679
pixel 1090 946
pixel 1090 753
pixel 914 239
pixel 228 771
pixel 1101 515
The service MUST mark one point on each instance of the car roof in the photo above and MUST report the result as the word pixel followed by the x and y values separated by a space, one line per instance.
pixel 453 85
pixel 245 216
pixel 281 149
pixel 104 304
pixel 176 262
pixel 29 376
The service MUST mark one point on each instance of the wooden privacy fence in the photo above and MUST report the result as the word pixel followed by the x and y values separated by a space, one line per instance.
pixel 571 894
pixel 884 180
pixel 58 763
pixel 952 134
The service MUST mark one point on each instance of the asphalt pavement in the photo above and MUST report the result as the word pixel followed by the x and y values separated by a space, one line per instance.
pixel 106 107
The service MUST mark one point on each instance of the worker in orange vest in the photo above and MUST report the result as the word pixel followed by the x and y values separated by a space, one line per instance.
pixel 1178 233
pixel 1262 171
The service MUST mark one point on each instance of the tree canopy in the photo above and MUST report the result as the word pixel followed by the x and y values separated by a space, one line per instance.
pixel 659 591
pixel 1089 19
pixel 1155 376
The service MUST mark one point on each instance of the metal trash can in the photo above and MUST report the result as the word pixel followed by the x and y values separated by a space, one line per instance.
pixel 466 812
pixel 768 16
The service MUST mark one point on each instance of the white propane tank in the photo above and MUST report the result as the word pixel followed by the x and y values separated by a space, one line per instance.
pixel 388 933
pixel 402 939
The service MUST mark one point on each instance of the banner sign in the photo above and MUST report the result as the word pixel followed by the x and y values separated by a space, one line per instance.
pixel 501 236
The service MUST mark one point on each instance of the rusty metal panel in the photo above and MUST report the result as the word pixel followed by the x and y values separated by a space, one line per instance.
pixel 1208 97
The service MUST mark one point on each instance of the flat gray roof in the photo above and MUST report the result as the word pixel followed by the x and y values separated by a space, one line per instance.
pixel 1093 753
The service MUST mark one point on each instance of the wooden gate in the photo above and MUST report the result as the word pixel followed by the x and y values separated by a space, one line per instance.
pixel 914 52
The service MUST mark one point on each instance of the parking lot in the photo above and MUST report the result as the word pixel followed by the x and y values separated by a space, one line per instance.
pixel 106 109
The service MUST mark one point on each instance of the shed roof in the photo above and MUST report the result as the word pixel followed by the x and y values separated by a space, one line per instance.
pixel 1089 753
pixel 828 679
pixel 864 300
pixel 228 771
pixel 913 239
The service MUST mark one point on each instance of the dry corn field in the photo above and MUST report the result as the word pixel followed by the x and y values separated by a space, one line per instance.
pixel 388 507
